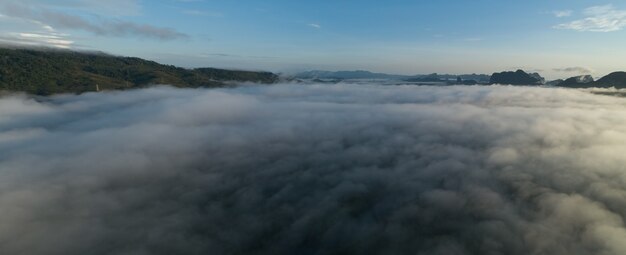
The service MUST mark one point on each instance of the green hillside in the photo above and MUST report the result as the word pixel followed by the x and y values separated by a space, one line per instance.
pixel 45 72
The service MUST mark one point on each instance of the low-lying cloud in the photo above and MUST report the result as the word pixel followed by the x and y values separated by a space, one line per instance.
pixel 314 169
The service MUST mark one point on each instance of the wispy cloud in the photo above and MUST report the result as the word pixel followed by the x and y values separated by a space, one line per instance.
pixel 218 55
pixel 202 13
pixel 526 69
pixel 315 25
pixel 38 39
pixel 562 13
pixel 111 27
pixel 574 69
pixel 97 25
pixel 605 18
pixel 101 7
pixel 56 40
pixel 33 33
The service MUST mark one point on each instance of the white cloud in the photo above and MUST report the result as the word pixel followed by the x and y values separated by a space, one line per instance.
pixel 314 25
pixel 605 18
pixel 562 13
pixel 55 40
pixel 30 39
pixel 355 169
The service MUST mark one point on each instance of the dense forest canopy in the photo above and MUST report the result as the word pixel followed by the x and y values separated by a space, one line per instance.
pixel 45 72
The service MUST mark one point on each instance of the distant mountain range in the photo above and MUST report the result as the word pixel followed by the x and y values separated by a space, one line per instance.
pixel 360 74
pixel 615 79
pixel 346 75
pixel 612 80
pixel 519 77
pixel 45 72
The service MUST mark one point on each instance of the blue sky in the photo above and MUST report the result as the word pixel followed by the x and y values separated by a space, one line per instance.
pixel 558 38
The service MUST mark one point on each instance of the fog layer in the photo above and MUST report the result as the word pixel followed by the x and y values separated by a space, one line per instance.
pixel 314 169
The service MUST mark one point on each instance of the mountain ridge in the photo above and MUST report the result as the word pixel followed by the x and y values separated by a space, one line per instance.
pixel 363 74
pixel 45 72
pixel 614 79
pixel 518 77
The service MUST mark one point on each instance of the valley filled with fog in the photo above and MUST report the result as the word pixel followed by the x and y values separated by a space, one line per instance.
pixel 315 169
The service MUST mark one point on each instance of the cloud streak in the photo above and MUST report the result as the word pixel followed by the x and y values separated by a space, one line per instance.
pixel 574 69
pixel 50 39
pixel 98 26
pixel 34 33
pixel 110 7
pixel 314 169
pixel 605 18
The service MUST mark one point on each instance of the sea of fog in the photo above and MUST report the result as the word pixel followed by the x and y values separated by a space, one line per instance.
pixel 315 169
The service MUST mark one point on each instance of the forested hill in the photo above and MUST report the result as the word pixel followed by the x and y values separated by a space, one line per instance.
pixel 45 72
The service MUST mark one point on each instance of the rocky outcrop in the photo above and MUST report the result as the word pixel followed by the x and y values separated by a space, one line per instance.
pixel 538 77
pixel 518 77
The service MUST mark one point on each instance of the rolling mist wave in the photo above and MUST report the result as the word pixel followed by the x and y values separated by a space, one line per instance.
pixel 316 169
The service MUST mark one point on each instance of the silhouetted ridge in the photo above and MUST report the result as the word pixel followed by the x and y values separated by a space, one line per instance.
pixel 616 79
pixel 556 82
pixel 577 81
pixel 518 77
